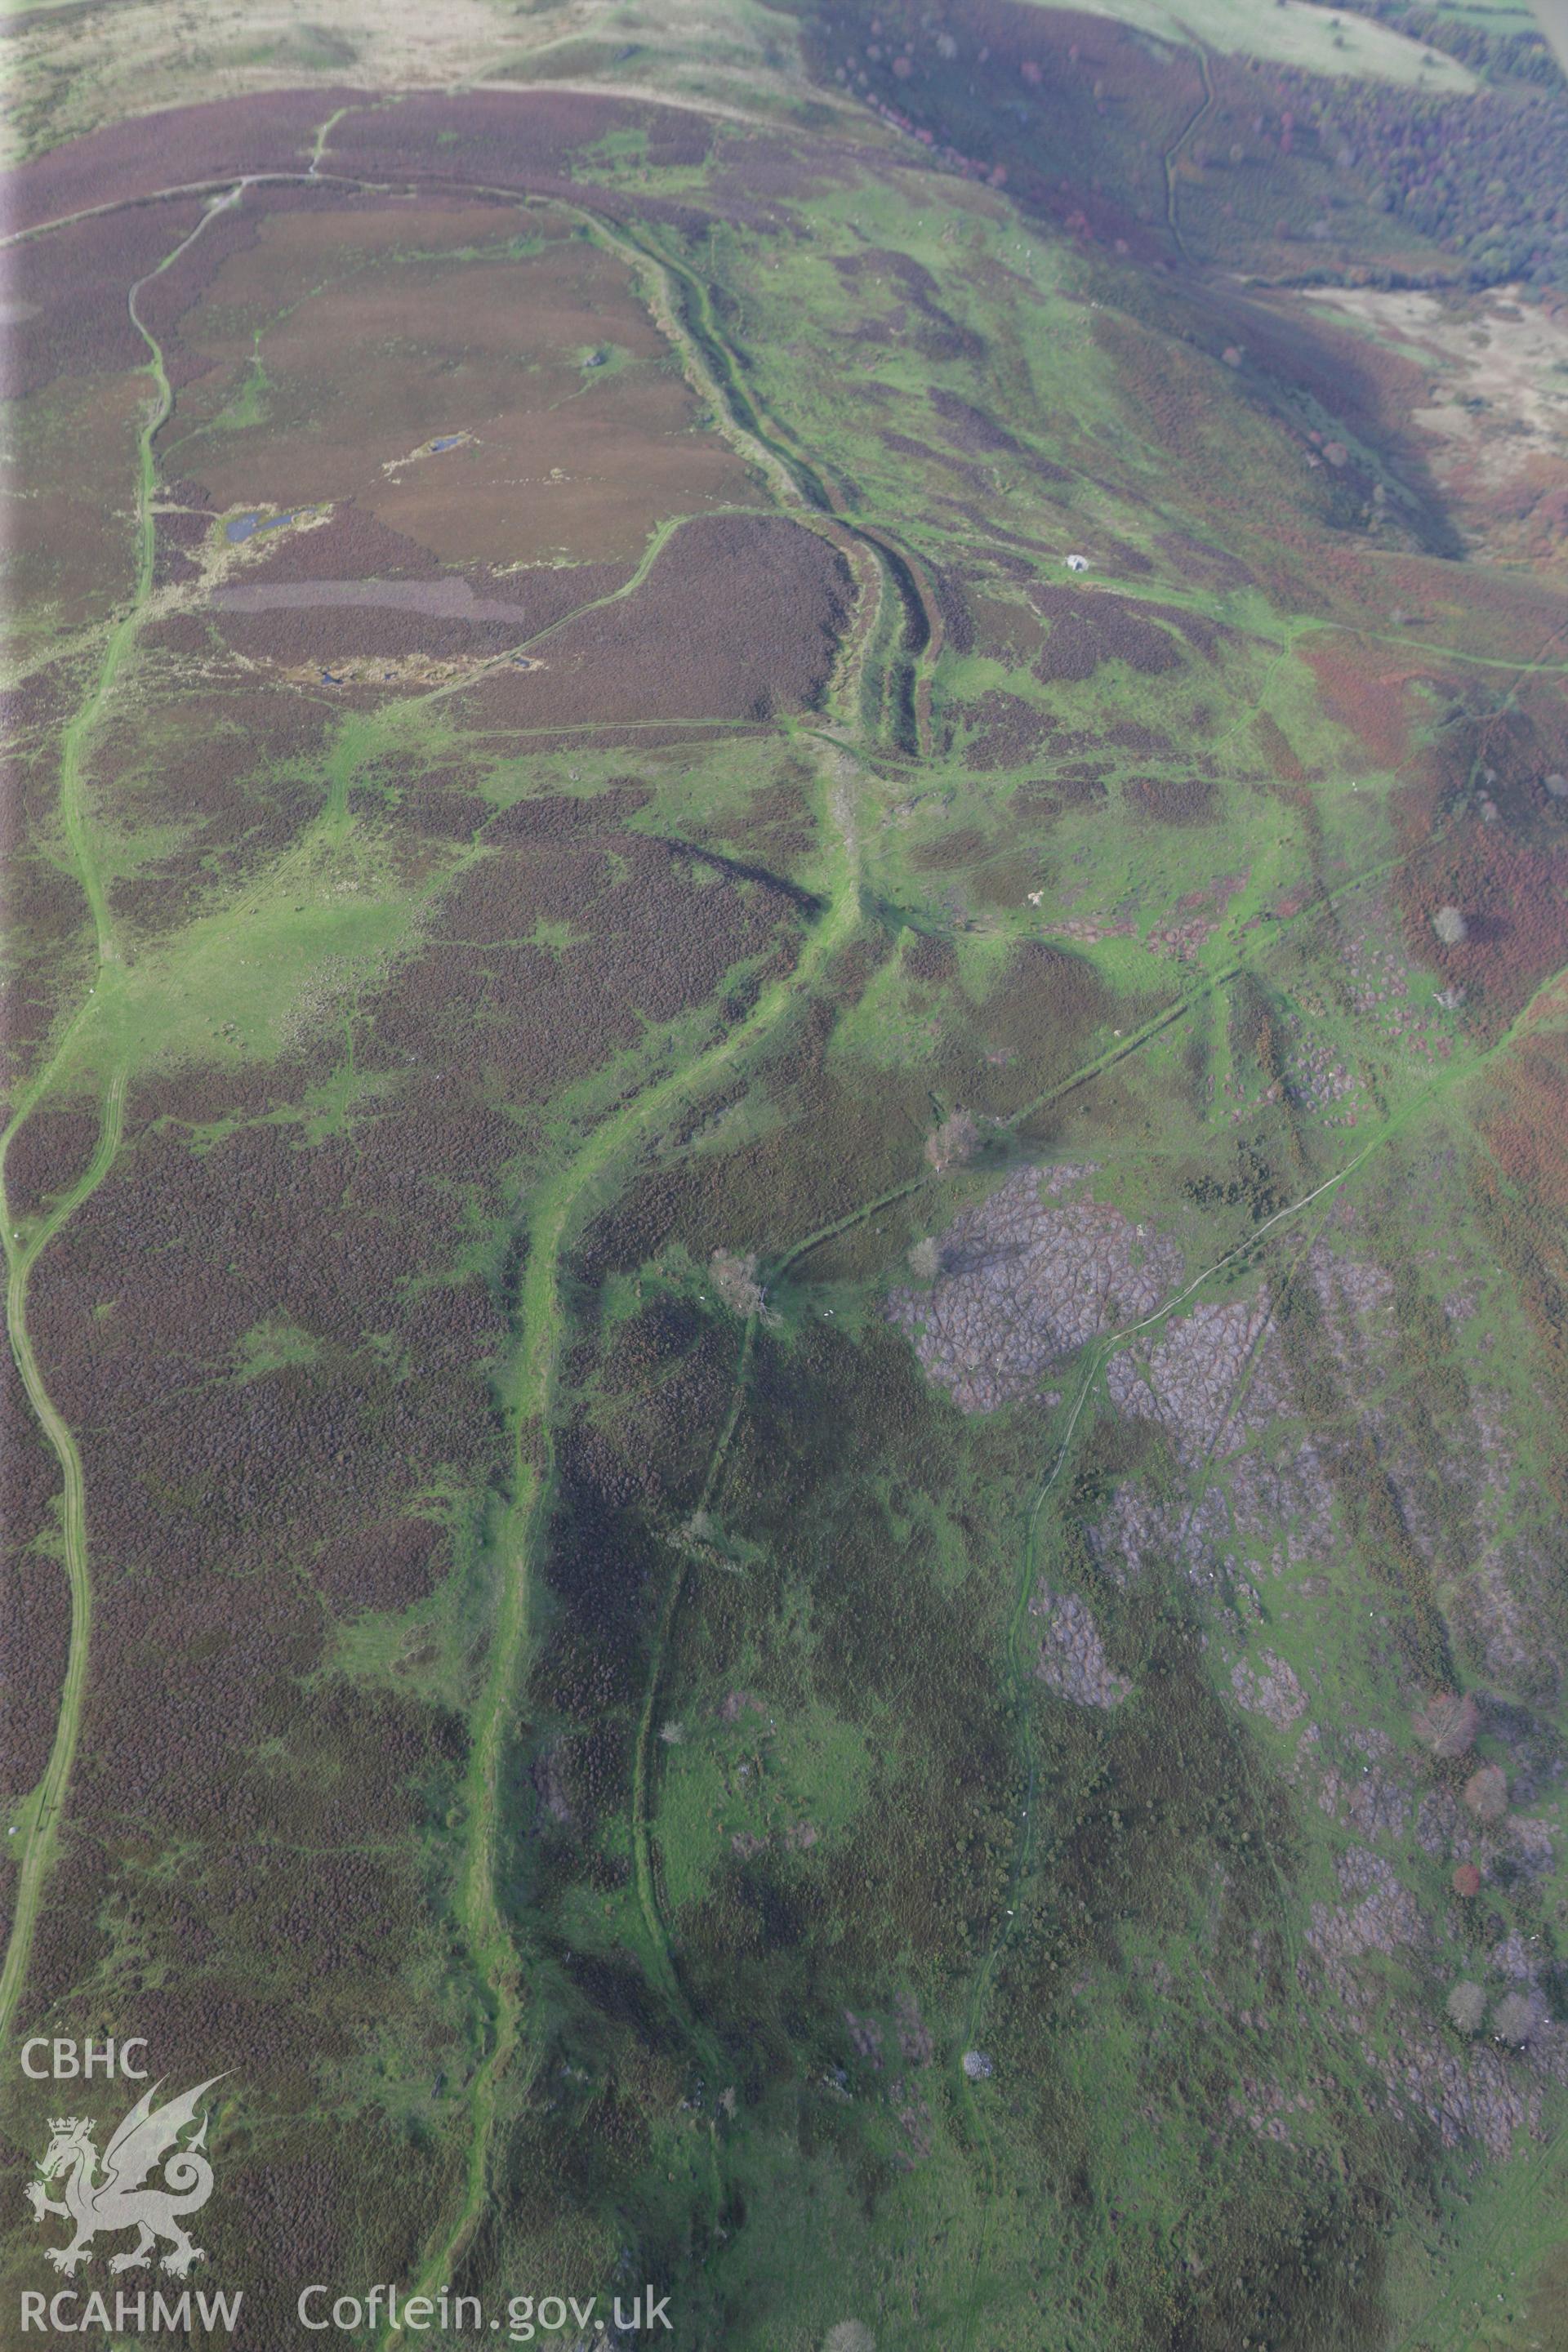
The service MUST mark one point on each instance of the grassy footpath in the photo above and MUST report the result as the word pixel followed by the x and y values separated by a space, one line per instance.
pixel 555 1213
pixel 23 1244
pixel 42 1814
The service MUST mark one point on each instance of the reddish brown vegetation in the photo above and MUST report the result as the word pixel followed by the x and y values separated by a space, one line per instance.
pixel 181 525
pixel 738 618
pixel 652 935
pixel 1007 730
pixel 950 596
pixel 973 430
pixel 543 593
pixel 351 545
pixel 1275 510
pixel 1148 743
pixel 1076 786
pixel 279 1947
pixel 961 847
pixel 1085 630
pixel 1526 1131
pixel 936 335
pixel 928 959
pixel 75 283
pixel 227 789
pixel 777 824
pixel 1043 76
pixel 35 1636
pixel 186 1254
pixel 902 445
pixel 323 634
pixel 1173 800
pixel 1486 1792
pixel 1045 1002
pixel 34 1599
pixel 226 1512
pixel 263 132
pixel 506 139
pixel 383 1566
pixel 1364 689
pixel 665 1377
pixel 1275 746
pixel 1511 897
pixel 772 164
pixel 1205 565
pixel 1519 747
pixel 47 1152
pixel 165 301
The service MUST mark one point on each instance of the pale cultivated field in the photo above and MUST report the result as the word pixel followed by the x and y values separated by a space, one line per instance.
pixel 1297 36
pixel 70 72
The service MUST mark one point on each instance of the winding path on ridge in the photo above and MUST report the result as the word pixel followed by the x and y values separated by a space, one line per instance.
pixel 869 695
pixel 553 1217
pixel 553 1212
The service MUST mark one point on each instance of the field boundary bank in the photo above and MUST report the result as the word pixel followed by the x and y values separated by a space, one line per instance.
pixel 552 1224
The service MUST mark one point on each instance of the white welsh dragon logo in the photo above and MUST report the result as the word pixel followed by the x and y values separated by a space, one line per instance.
pixel 122 2198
